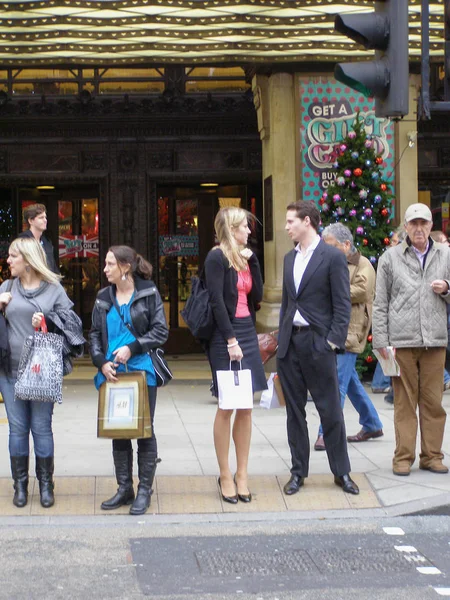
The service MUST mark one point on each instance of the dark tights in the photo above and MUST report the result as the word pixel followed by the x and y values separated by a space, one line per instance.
pixel 145 444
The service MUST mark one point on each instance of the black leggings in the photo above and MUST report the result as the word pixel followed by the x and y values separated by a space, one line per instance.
pixel 144 444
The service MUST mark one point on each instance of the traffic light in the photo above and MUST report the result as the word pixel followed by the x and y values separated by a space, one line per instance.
pixel 387 77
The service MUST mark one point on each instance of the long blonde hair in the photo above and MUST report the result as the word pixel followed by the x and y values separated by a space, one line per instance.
pixel 34 255
pixel 226 220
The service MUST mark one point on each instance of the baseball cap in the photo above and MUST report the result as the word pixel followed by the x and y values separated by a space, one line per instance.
pixel 418 211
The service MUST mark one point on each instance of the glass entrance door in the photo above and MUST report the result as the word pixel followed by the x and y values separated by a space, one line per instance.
pixel 73 230
pixel 186 235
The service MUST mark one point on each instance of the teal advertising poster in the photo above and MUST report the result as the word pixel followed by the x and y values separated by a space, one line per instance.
pixel 327 111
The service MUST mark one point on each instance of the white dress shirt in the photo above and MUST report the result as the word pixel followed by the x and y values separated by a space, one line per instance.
pixel 301 261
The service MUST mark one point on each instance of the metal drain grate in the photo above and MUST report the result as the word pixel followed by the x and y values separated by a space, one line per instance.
pixel 216 564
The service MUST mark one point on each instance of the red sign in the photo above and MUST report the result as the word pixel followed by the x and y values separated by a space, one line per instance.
pixel 75 246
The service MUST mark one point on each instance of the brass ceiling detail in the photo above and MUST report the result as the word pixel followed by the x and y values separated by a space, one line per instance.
pixel 120 32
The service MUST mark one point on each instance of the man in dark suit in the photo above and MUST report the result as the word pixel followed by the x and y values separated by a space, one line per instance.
pixel 314 319
pixel 36 217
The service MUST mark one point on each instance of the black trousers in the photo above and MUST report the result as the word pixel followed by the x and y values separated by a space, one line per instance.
pixel 310 364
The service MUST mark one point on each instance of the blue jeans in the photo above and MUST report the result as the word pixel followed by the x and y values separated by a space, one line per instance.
pixel 380 381
pixel 446 376
pixel 25 416
pixel 350 384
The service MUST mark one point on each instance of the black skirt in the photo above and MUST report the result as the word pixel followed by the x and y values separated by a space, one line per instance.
pixel 219 358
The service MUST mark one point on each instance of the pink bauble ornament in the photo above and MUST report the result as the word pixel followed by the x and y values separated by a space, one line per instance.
pixel 336 198
pixel 368 212
pixel 325 195
pixel 342 147
pixel 352 135
pixel 347 173
pixel 360 230
pixel 352 213
pixel 368 143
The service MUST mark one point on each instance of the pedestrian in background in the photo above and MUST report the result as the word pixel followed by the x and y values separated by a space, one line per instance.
pixel 362 291
pixel 235 288
pixel 381 383
pixel 410 314
pixel 36 292
pixel 439 236
pixel 35 216
pixel 128 320
pixel 314 319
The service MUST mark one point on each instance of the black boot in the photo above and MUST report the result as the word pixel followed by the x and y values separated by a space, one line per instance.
pixel 44 474
pixel 123 464
pixel 147 462
pixel 19 470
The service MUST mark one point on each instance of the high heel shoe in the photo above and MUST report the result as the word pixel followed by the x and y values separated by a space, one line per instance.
pixel 230 499
pixel 243 497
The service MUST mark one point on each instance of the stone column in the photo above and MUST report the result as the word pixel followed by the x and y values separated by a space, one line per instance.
pixel 275 104
pixel 406 173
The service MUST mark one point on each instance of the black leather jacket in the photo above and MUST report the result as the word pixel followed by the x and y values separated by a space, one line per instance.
pixel 147 316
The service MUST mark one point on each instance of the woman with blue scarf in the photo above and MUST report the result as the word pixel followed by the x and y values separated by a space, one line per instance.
pixel 128 321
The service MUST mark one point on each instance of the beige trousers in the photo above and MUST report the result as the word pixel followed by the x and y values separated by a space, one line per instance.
pixel 420 385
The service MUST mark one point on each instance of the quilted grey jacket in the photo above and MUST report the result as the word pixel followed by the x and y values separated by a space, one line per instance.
pixel 406 312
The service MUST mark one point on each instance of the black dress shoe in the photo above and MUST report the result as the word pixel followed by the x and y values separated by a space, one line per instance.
pixel 243 497
pixel 293 485
pixel 230 499
pixel 347 484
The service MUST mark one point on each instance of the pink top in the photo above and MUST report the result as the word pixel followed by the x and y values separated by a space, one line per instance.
pixel 244 286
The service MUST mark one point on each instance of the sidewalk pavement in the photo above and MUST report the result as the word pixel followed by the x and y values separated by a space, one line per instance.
pixel 186 482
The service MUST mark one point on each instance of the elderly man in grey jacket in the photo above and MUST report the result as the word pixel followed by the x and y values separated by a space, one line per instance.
pixel 413 282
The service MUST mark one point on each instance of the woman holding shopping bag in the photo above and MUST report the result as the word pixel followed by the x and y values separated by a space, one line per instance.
pixel 127 322
pixel 35 292
pixel 235 287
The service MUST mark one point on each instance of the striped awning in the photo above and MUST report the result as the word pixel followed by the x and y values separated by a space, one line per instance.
pixel 100 32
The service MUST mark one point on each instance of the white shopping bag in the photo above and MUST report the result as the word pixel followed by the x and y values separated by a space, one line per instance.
pixel 235 389
pixel 271 398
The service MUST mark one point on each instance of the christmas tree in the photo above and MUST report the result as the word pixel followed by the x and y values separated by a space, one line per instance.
pixel 360 197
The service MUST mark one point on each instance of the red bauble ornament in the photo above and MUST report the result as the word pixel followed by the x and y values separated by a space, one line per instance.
pixel 357 172
pixel 369 338
pixel 384 212
pixel 322 201
pixel 386 241
pixel 369 359
pixel 379 160
pixel 383 187
pixel 365 242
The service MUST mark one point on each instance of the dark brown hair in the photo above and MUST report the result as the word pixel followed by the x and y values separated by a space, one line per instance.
pixel 306 209
pixel 128 256
pixel 32 211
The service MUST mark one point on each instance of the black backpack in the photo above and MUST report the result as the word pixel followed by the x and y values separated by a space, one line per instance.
pixel 197 312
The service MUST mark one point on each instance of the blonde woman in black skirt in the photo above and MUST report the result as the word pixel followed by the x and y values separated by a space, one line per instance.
pixel 235 287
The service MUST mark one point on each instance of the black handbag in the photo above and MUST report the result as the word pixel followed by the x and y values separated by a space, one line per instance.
pixel 197 312
pixel 162 370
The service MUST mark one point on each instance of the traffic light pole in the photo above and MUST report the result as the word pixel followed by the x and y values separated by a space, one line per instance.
pixel 426 106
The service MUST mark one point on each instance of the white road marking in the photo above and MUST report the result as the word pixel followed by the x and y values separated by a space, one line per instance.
pixel 428 570
pixel 405 548
pixel 442 591
pixel 393 531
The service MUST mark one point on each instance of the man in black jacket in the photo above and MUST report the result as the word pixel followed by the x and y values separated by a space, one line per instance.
pixel 314 319
pixel 36 217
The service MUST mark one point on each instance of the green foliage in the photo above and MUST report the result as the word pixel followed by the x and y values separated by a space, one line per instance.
pixel 360 197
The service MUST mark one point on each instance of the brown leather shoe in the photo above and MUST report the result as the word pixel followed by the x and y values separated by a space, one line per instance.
pixel 363 436
pixel 436 467
pixel 320 444
pixel 403 470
